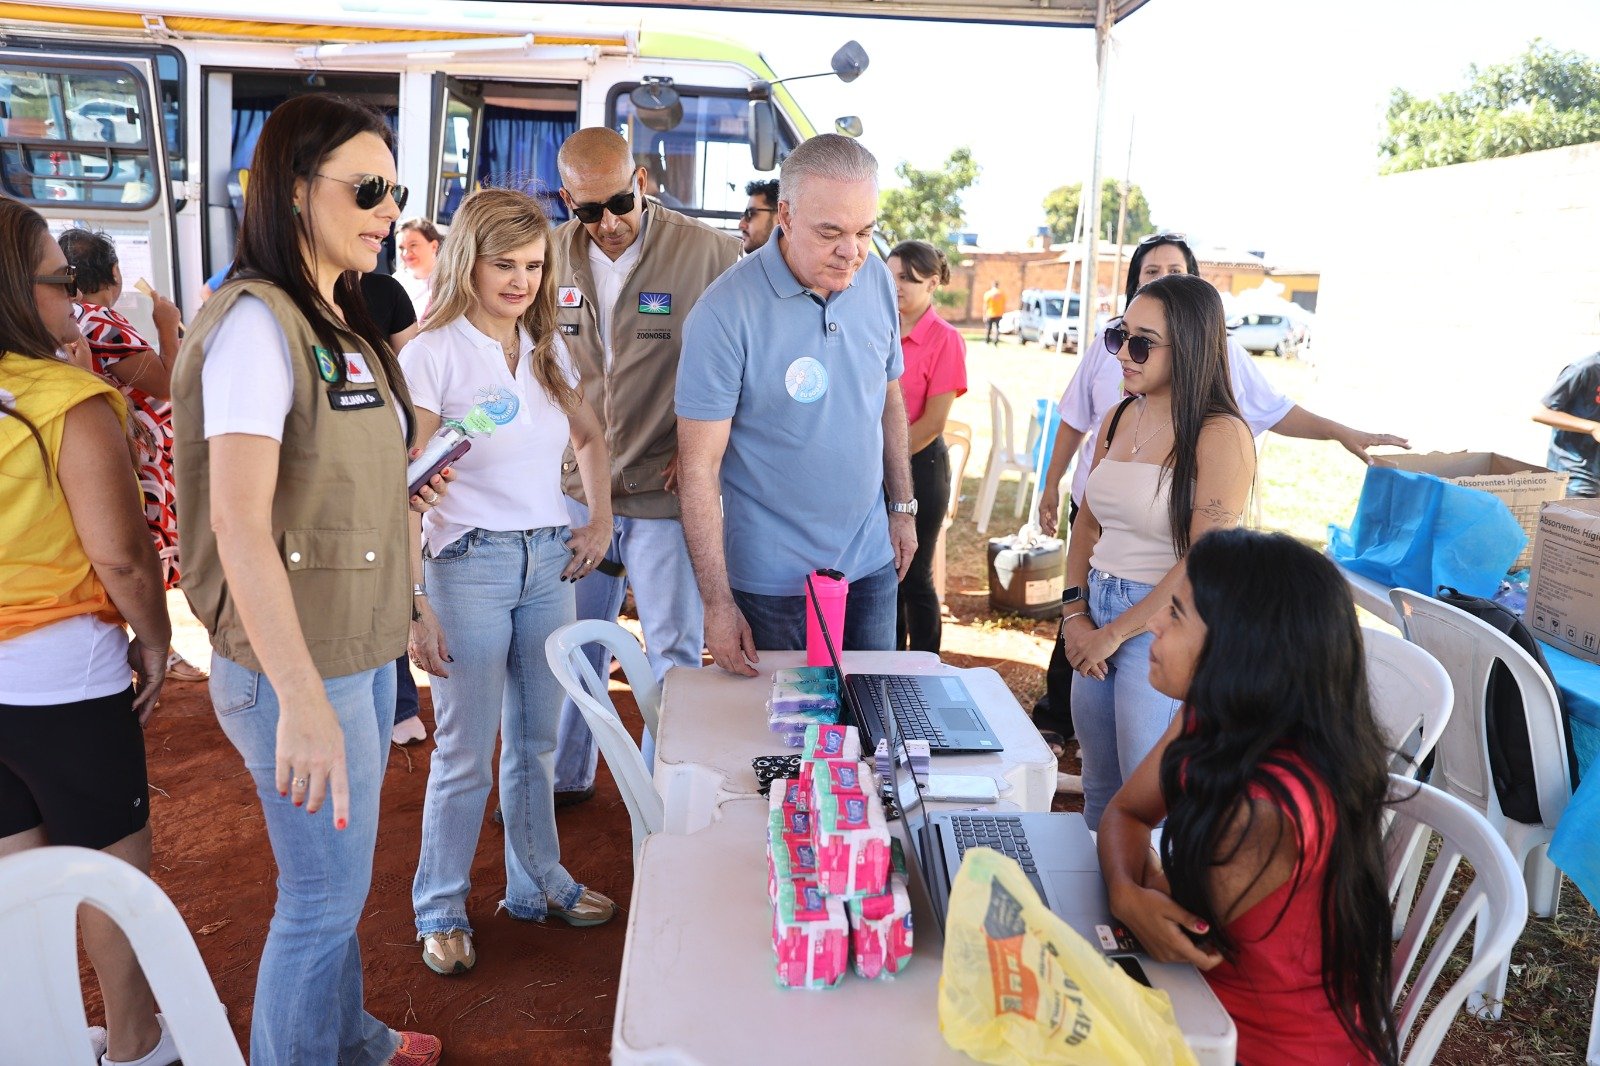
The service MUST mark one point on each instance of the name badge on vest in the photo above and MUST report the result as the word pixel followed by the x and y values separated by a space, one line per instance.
pixel 354 399
pixel 569 329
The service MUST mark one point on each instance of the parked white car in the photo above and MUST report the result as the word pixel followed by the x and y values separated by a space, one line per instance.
pixel 1259 333
pixel 1040 318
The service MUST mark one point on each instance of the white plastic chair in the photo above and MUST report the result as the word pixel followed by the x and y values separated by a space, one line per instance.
pixel 1468 649
pixel 958 439
pixel 563 649
pixel 41 1002
pixel 1495 900
pixel 1411 697
pixel 1411 700
pixel 1003 457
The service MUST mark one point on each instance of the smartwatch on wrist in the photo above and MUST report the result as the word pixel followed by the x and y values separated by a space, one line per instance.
pixel 1075 594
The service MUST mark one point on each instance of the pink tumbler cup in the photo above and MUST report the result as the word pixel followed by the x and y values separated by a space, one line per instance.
pixel 831 589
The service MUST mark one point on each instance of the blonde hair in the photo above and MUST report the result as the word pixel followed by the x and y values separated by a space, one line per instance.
pixel 492 222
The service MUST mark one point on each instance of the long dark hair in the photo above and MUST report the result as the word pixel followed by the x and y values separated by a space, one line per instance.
pixel 295 140
pixel 1150 244
pixel 1202 388
pixel 24 333
pixel 1281 688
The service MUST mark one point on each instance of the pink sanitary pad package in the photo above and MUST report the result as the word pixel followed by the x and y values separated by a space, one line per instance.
pixel 831 742
pixel 852 842
pixel 810 937
pixel 880 930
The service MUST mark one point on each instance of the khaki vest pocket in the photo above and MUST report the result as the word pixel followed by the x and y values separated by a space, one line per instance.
pixel 320 564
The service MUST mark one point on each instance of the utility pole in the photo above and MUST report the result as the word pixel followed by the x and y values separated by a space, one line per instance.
pixel 1105 15
pixel 1122 221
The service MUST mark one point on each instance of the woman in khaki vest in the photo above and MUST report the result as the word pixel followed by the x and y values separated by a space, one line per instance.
pixel 292 423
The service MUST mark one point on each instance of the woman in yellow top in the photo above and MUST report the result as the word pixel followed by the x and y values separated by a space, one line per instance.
pixel 76 562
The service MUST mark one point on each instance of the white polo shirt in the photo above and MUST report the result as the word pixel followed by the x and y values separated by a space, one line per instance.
pixel 510 479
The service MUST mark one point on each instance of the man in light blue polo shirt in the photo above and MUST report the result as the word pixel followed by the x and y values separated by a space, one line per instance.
pixel 789 410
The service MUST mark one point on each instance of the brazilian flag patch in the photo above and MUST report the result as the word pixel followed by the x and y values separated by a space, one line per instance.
pixel 327 366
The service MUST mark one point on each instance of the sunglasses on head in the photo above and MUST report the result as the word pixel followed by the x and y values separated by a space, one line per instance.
pixel 1139 348
pixel 620 204
pixel 752 212
pixel 371 189
pixel 1165 238
pixel 68 279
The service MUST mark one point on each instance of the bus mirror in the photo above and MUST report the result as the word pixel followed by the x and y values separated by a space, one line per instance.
pixel 763 135
pixel 657 104
pixel 848 125
pixel 849 61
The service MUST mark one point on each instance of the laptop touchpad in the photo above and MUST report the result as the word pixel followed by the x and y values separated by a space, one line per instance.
pixel 957 718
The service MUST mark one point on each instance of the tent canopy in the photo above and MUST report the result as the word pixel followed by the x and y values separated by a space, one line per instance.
pixel 1022 12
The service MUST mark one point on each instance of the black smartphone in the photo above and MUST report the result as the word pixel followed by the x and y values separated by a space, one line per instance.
pixel 1131 967
pixel 611 568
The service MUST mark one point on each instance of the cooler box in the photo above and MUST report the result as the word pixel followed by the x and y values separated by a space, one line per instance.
pixel 1027 581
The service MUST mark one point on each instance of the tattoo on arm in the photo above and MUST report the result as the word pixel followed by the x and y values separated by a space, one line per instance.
pixel 1218 514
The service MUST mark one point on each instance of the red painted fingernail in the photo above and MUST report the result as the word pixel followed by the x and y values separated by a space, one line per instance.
pixel 297 803
pixel 338 823
pixel 282 793
pixel 1202 927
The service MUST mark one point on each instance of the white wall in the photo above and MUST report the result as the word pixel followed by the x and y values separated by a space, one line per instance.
pixel 1457 296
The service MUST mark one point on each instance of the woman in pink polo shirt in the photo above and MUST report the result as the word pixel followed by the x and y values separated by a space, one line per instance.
pixel 935 374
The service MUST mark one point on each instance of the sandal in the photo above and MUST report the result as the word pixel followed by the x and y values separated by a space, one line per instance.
pixel 591 909
pixel 181 669
pixel 1057 742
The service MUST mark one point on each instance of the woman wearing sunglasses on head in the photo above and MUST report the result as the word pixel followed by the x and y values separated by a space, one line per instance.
pixel 292 424
pixel 497 565
pixel 1272 782
pixel 1097 385
pixel 1172 461
pixel 76 563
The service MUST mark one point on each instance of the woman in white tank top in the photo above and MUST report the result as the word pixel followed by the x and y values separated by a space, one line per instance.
pixel 1172 462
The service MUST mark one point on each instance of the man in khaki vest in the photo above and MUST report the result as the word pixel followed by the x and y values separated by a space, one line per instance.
pixel 629 271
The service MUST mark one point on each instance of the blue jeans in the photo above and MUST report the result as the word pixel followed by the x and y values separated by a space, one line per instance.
pixel 1118 720
pixel 308 1005
pixel 498 595
pixel 778 623
pixel 406 703
pixel 664 590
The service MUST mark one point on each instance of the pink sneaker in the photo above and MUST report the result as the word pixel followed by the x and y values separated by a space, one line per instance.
pixel 417 1049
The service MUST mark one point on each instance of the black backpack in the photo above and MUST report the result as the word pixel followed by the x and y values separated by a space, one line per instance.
pixel 1505 720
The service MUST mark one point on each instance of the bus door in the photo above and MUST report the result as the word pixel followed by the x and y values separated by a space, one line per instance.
pixel 455 141
pixel 81 141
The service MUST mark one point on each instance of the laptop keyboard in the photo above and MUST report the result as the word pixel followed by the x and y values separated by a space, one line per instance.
pixel 1002 833
pixel 910 707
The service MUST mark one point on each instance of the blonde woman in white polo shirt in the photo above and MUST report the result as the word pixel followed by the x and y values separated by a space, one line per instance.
pixel 497 564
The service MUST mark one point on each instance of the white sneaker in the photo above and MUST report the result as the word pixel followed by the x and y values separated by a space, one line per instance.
pixel 1071 784
pixel 409 731
pixel 165 1053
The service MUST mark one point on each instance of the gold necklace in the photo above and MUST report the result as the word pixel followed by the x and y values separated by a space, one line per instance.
pixel 1137 444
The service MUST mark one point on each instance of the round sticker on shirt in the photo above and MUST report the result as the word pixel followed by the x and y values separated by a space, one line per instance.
pixel 498 403
pixel 806 379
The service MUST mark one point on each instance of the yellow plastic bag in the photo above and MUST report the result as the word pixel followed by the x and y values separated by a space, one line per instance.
pixel 1021 988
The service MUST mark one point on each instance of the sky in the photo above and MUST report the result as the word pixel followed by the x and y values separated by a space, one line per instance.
pixel 1246 117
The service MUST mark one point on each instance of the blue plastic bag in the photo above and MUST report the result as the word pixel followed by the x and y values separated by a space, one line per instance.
pixel 1417 531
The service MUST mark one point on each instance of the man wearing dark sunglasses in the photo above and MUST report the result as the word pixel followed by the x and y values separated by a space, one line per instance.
pixel 760 214
pixel 629 271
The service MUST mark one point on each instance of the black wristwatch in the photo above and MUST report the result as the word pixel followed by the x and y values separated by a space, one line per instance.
pixel 1075 594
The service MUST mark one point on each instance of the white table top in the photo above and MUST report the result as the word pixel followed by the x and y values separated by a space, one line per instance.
pixel 714 723
pixel 700 920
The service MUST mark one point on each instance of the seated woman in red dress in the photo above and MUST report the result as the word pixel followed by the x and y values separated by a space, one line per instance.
pixel 1272 781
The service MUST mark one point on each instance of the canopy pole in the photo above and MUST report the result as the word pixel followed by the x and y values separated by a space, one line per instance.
pixel 1105 16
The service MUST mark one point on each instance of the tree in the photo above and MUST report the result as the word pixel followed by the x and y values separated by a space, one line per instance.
pixel 928 208
pixel 1061 212
pixel 1543 98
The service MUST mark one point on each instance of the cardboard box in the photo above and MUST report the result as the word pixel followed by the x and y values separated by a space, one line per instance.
pixel 1525 487
pixel 1564 586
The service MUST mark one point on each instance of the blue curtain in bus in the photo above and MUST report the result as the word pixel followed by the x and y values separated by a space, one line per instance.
pixel 519 151
pixel 247 123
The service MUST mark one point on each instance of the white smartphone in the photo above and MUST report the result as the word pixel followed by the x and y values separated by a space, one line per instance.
pixel 961 788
